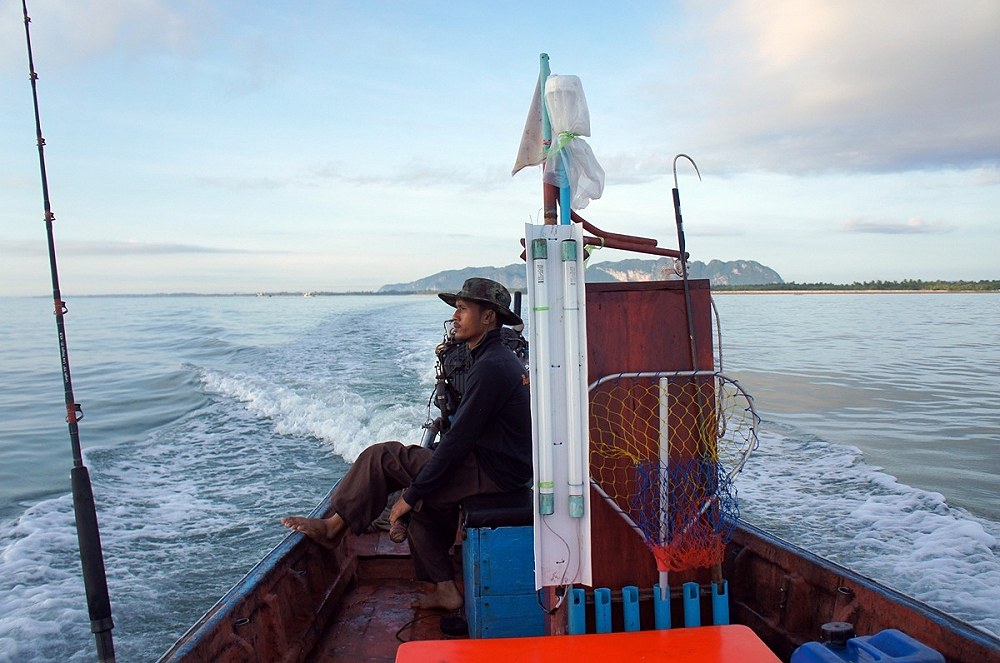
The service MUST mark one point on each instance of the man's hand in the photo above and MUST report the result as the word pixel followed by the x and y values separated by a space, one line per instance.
pixel 399 509
pixel 397 525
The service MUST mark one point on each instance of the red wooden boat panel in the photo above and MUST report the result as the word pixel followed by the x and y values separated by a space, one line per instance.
pixel 652 336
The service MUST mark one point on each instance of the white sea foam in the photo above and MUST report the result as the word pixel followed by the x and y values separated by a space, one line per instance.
pixel 41 591
pixel 343 420
pixel 823 497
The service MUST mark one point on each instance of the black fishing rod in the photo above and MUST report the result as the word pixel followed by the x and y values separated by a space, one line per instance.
pixel 683 260
pixel 91 556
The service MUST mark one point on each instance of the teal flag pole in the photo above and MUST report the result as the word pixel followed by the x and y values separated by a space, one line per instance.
pixel 549 192
pixel 565 192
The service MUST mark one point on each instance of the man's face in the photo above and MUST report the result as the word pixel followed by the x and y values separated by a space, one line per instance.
pixel 471 320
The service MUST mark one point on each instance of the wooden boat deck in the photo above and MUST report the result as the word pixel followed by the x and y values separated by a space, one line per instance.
pixel 375 615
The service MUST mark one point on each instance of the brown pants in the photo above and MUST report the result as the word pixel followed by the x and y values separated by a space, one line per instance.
pixel 384 468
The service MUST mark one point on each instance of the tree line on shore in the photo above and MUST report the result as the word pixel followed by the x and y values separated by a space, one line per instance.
pixel 904 285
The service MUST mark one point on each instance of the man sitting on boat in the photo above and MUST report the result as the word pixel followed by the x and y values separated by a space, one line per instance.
pixel 487 449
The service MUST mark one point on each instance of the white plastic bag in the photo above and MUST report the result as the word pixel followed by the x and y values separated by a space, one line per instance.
pixel 570 119
pixel 584 176
pixel 567 106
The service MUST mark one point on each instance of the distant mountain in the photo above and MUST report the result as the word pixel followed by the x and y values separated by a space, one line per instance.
pixel 718 272
pixel 512 276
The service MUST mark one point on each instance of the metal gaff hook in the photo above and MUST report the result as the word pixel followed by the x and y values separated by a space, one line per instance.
pixel 677 214
pixel 692 163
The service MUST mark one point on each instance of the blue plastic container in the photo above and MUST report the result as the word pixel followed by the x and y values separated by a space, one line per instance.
pixel 499 575
pixel 888 646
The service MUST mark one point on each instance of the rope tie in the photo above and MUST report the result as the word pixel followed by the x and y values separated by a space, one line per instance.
pixel 564 139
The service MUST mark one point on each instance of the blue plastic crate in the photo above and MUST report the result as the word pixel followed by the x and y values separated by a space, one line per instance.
pixel 499 576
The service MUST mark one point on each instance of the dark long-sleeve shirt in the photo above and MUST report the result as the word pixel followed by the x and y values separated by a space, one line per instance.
pixel 493 421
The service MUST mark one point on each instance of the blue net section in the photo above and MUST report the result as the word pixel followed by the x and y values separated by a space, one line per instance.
pixel 686 512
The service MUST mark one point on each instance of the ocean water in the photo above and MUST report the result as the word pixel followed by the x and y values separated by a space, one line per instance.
pixel 207 418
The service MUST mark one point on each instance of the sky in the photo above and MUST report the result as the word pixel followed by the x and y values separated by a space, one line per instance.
pixel 244 146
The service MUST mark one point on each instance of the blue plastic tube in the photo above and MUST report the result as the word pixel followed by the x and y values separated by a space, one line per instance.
pixel 602 609
pixel 720 603
pixel 577 612
pixel 630 603
pixel 692 610
pixel 661 608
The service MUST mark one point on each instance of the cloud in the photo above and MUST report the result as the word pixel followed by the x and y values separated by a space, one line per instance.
pixel 147 248
pixel 911 227
pixel 837 85
pixel 987 176
pixel 624 169
pixel 110 249
pixel 71 32
pixel 243 183
pixel 419 175
pixel 718 230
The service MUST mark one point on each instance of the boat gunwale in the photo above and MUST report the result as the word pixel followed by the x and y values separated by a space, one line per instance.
pixel 949 623
pixel 222 609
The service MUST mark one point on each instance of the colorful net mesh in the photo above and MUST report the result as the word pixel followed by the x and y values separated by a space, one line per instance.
pixel 664 450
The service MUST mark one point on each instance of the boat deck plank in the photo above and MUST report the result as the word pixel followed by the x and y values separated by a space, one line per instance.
pixel 376 615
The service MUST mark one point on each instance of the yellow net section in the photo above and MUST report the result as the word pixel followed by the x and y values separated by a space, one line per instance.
pixel 664 450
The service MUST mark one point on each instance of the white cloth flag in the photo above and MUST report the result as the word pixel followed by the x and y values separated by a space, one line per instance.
pixel 530 151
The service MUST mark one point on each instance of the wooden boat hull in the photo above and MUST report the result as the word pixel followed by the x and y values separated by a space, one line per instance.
pixel 303 602
pixel 273 613
pixel 785 593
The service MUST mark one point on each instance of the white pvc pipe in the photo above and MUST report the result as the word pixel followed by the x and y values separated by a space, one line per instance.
pixel 664 477
pixel 571 365
pixel 540 314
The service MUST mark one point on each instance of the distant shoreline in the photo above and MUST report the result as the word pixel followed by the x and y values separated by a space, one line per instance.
pixel 850 291
pixel 374 293
pixel 938 287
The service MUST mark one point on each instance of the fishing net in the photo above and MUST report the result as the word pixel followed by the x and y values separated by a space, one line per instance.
pixel 664 450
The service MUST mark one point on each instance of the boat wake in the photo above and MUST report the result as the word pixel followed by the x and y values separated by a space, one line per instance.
pixel 823 497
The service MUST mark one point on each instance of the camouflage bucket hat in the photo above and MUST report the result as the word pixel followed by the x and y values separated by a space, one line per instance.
pixel 486 292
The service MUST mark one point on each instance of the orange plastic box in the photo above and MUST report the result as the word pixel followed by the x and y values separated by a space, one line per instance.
pixel 706 644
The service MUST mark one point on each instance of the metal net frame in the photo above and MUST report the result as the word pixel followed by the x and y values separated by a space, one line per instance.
pixel 665 448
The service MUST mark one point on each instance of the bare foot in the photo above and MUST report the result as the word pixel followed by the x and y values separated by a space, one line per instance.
pixel 325 531
pixel 445 597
